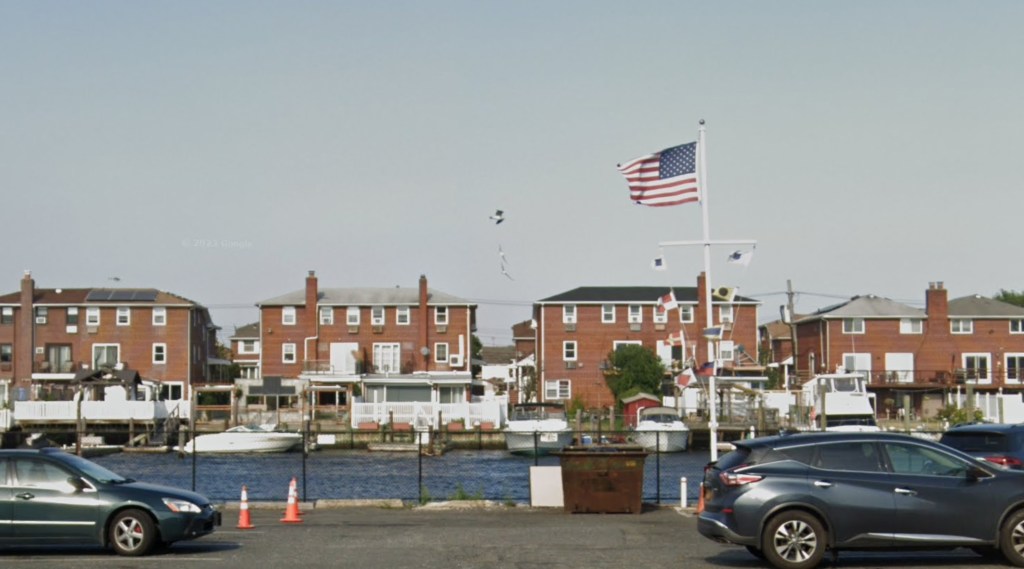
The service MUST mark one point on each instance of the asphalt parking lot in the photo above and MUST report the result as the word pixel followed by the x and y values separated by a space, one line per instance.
pixel 456 536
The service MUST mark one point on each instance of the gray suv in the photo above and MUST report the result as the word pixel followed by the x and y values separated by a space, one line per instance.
pixel 790 499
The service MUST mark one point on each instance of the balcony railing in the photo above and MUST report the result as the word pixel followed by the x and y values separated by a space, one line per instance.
pixel 325 367
pixel 55 367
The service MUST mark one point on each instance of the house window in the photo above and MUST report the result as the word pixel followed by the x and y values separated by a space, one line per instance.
pixel 377 316
pixel 7 315
pixel 326 315
pixel 92 316
pixel 288 316
pixel 636 314
pixel 288 353
pixel 352 315
pixel 977 366
pixel 725 314
pixel 441 315
pixel 557 389
pixel 569 314
pixel 6 353
pixel 608 313
pixel 159 316
pixel 853 325
pixel 911 326
pixel 159 353
pixel 248 347
pixel 659 316
pixel 402 316
pixel 387 358
pixel 569 351
pixel 72 316
pixel 961 326
pixel 1017 326
pixel 41 313
pixel 1014 367
pixel 619 344
pixel 441 352
pixel 726 351
pixel 686 314
pixel 124 316
pixel 105 355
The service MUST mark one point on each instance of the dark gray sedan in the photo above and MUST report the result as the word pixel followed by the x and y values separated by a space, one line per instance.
pixel 790 499
pixel 50 496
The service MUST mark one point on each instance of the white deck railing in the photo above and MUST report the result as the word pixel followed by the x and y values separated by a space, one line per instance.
pixel 98 410
pixel 424 415
pixel 6 420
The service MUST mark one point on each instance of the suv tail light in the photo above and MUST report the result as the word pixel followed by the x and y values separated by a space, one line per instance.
pixel 1005 461
pixel 732 478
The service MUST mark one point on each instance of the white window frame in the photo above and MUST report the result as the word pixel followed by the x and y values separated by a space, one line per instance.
pixel 557 389
pixel 326 315
pixel 635 314
pixel 95 364
pixel 441 352
pixel 42 314
pixel 403 316
pixel 123 316
pixel 987 378
pixel 725 314
pixel 377 317
pixel 659 316
pixel 726 350
pixel 1019 357
pixel 608 314
pixel 72 311
pixel 352 315
pixel 288 353
pixel 686 314
pixel 389 351
pixel 854 326
pixel 570 351
pixel 568 314
pixel 618 343
pixel 1017 326
pixel 441 315
pixel 288 317
pixel 255 347
pixel 160 353
pixel 911 326
pixel 92 316
pixel 7 313
pixel 961 326
pixel 159 316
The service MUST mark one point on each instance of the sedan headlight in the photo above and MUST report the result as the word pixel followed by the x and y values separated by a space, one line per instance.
pixel 181 506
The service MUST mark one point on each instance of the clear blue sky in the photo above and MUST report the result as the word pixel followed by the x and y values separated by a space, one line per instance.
pixel 219 150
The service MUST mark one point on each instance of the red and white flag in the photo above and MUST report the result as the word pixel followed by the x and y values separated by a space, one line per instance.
pixel 685 378
pixel 675 339
pixel 664 178
pixel 668 302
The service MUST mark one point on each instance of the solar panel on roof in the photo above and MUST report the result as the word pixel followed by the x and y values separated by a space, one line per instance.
pixel 122 295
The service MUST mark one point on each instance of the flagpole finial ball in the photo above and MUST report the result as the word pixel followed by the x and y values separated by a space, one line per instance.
pixel 701 122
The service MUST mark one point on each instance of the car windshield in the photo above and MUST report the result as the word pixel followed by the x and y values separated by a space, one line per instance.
pixel 977 441
pixel 97 472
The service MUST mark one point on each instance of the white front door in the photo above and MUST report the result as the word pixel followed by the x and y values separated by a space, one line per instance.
pixel 899 367
pixel 343 359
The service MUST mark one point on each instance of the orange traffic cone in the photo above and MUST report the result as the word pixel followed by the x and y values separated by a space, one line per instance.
pixel 294 492
pixel 291 513
pixel 700 499
pixel 244 521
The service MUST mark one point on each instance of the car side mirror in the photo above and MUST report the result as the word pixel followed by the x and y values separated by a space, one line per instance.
pixel 976 473
pixel 77 483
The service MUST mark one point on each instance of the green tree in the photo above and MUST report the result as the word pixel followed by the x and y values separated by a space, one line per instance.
pixel 634 369
pixel 1011 296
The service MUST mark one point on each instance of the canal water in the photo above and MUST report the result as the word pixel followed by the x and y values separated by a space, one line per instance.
pixel 359 474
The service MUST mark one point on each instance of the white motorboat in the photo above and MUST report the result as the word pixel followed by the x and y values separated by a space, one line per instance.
pixel 661 429
pixel 537 428
pixel 244 439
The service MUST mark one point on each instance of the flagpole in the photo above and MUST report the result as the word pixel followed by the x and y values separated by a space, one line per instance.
pixel 708 316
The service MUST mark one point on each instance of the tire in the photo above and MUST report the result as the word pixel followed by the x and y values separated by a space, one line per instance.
pixel 132 533
pixel 1011 538
pixel 793 540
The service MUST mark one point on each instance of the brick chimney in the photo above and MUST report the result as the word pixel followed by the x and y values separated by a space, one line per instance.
pixel 424 322
pixel 937 303
pixel 312 294
pixel 24 333
pixel 937 354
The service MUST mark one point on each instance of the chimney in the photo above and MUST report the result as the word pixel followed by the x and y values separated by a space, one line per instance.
pixel 24 333
pixel 936 305
pixel 312 295
pixel 425 317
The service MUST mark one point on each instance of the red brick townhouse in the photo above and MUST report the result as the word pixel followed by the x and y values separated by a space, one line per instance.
pixel 245 350
pixel 972 340
pixel 577 329
pixel 48 335
pixel 393 342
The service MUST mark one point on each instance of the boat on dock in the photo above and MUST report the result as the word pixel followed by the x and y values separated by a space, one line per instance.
pixel 244 439
pixel 537 429
pixel 661 429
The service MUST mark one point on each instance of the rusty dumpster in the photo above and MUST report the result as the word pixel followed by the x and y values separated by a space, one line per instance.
pixel 603 478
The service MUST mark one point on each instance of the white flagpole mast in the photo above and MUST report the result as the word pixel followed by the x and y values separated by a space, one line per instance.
pixel 702 178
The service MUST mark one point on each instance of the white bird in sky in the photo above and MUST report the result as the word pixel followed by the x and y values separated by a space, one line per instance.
pixel 504 272
pixel 501 254
pixel 498 217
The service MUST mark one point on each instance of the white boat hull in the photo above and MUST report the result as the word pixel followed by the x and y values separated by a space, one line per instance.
pixel 537 442
pixel 662 440
pixel 243 443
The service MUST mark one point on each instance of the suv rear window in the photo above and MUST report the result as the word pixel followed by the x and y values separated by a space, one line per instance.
pixel 978 441
pixel 734 458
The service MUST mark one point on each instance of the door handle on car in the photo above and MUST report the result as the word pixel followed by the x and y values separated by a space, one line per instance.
pixel 822 483
pixel 26 496
pixel 906 491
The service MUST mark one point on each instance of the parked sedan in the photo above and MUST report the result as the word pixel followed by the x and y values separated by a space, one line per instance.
pixel 50 496
pixel 790 499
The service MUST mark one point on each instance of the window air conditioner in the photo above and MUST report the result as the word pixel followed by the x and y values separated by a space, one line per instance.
pixel 40 320
pixel 455 360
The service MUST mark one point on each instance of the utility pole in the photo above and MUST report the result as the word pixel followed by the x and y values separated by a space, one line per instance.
pixel 790 295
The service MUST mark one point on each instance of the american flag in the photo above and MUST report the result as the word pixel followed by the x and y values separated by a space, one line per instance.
pixel 664 178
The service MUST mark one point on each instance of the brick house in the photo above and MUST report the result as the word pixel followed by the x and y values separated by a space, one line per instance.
pixel 245 350
pixel 577 329
pixel 47 336
pixel 390 342
pixel 907 351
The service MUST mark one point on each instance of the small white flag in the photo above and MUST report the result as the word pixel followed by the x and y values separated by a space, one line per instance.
pixel 741 257
pixel 658 264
